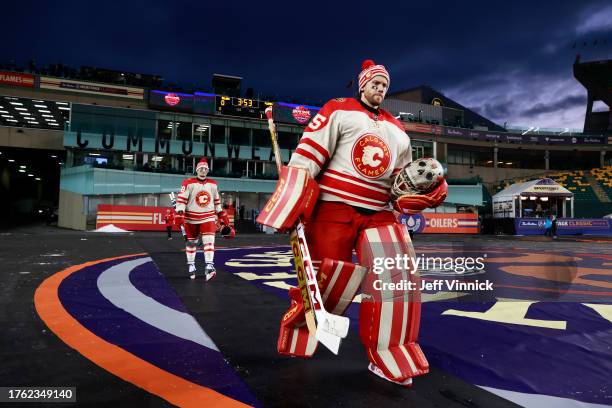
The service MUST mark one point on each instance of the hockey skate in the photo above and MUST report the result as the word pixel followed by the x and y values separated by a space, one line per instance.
pixel 192 271
pixel 210 271
pixel 374 369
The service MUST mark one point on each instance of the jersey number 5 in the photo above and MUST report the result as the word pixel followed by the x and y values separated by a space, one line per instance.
pixel 317 121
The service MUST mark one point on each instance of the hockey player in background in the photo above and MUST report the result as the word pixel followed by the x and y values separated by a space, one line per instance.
pixel 169 221
pixel 197 207
pixel 351 152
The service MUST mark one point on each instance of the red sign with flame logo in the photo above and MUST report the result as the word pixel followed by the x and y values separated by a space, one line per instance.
pixel 301 114
pixel 172 99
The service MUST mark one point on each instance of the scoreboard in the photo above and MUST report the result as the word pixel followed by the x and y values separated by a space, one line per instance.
pixel 244 107
pixel 214 104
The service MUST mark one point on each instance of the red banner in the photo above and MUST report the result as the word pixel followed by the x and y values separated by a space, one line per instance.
pixel 441 223
pixel 70 85
pixel 138 218
pixel 451 223
pixel 16 79
pixel 132 218
pixel 423 128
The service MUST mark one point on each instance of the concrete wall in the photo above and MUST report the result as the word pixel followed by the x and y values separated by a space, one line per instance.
pixel 32 138
pixel 75 97
pixel 71 213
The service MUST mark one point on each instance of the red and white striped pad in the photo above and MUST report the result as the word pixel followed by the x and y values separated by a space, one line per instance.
pixel 339 282
pixel 295 195
pixel 389 319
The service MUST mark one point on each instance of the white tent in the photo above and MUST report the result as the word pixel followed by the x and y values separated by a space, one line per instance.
pixel 508 203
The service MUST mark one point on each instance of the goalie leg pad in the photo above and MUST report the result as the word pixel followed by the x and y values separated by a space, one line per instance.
pixel 295 195
pixel 389 318
pixel 294 339
pixel 339 281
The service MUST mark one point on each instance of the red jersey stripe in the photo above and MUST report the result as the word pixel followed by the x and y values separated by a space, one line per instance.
pixel 348 176
pixel 361 191
pixel 352 200
pixel 316 146
pixel 309 156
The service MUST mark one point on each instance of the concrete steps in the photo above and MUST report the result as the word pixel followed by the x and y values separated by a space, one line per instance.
pixel 599 191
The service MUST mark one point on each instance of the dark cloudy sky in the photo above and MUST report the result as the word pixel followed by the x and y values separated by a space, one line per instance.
pixel 510 61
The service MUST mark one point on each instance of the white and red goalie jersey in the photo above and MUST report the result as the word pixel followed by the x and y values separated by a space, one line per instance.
pixel 354 152
pixel 199 199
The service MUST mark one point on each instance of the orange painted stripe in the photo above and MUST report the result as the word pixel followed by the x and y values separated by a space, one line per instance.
pixel 114 359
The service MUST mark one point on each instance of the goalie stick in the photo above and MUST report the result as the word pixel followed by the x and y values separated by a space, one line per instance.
pixel 327 328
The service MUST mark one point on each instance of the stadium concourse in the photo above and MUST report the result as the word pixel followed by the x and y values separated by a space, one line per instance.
pixel 115 315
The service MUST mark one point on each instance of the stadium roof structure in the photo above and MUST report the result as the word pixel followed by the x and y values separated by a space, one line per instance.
pixel 427 95
pixel 596 77
pixel 34 113
pixel 540 188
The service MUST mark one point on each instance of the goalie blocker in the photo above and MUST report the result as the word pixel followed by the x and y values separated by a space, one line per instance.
pixel 295 195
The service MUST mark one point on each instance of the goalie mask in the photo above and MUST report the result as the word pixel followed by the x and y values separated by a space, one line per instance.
pixel 418 177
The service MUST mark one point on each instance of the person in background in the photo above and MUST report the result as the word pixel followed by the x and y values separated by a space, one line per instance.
pixel 538 210
pixel 198 207
pixel 548 226
pixel 169 220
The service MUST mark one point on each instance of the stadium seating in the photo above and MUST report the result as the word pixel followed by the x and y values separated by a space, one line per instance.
pixel 576 182
pixel 603 175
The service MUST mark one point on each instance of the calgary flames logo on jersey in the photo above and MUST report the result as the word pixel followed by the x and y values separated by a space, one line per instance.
pixel 371 157
pixel 202 199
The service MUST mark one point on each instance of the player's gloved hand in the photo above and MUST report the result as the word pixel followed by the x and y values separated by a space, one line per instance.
pixel 223 218
pixel 179 218
pixel 413 204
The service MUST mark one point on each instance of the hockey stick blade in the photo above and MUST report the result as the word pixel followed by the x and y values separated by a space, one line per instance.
pixel 330 341
pixel 336 325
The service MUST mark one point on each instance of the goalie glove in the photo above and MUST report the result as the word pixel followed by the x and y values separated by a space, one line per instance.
pixel 415 203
